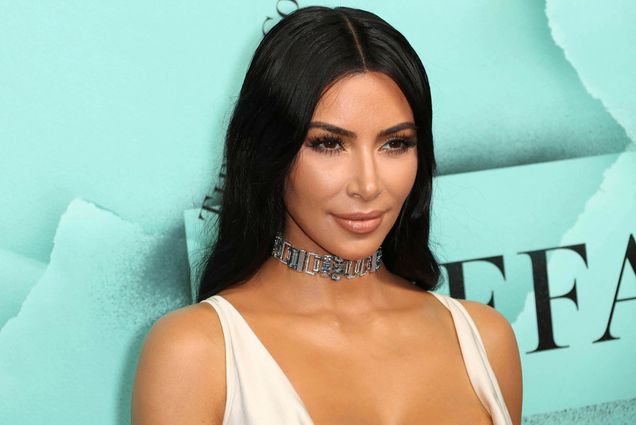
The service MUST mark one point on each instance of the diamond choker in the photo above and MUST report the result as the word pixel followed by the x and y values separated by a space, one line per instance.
pixel 330 266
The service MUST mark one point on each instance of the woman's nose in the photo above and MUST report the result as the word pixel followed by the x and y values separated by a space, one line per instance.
pixel 364 178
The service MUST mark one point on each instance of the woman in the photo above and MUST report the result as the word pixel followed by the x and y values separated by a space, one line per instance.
pixel 315 305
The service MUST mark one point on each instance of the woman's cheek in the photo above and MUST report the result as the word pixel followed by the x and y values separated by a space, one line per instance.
pixel 317 177
pixel 401 176
pixel 323 174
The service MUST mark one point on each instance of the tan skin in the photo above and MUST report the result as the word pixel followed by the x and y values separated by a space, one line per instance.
pixel 371 350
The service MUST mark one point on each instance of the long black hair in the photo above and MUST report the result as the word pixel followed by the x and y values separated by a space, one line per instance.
pixel 296 61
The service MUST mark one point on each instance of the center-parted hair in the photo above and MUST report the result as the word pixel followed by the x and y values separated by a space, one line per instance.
pixel 296 61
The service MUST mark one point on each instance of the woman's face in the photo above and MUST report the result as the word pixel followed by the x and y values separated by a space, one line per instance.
pixel 359 157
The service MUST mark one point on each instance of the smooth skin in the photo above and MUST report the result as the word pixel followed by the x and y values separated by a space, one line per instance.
pixel 371 350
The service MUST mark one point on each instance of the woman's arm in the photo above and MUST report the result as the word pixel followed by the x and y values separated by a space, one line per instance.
pixel 180 375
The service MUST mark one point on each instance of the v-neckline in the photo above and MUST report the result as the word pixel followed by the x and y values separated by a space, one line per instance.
pixel 275 363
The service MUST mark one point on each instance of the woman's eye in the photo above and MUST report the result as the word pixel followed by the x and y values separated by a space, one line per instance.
pixel 396 143
pixel 399 145
pixel 329 145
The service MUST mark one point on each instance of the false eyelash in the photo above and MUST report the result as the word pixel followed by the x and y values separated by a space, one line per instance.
pixel 407 143
pixel 315 142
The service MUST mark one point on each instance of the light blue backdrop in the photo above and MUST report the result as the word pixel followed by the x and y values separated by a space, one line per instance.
pixel 111 124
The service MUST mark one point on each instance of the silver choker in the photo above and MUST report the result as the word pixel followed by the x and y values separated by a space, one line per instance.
pixel 330 266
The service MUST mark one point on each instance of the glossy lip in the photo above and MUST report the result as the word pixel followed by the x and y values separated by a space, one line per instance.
pixel 360 222
pixel 360 215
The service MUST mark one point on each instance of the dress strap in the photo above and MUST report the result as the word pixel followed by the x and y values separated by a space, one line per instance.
pixel 480 372
pixel 230 369
pixel 258 389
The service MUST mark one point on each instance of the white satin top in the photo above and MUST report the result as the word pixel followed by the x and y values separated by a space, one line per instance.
pixel 259 392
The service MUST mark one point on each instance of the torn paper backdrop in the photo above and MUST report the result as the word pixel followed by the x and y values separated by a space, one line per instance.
pixel 70 354
pixel 604 225
pixel 18 274
pixel 599 40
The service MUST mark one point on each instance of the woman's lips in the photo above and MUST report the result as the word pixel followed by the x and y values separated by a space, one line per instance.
pixel 359 226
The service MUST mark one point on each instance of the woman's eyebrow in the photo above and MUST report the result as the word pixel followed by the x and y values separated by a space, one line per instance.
pixel 347 133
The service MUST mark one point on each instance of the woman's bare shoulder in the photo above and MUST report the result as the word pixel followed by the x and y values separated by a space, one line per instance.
pixel 180 375
pixel 502 350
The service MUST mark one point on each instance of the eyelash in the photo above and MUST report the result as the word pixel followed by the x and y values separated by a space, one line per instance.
pixel 316 141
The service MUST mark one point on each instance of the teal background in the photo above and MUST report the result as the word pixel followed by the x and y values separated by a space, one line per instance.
pixel 111 124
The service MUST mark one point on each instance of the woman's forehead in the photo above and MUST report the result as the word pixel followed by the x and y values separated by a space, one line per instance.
pixel 363 100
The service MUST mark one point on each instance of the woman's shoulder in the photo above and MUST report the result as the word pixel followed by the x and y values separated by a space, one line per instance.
pixel 486 317
pixel 502 349
pixel 494 329
pixel 490 323
pixel 190 331
pixel 181 369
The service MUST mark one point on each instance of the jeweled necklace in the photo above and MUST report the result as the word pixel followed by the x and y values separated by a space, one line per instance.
pixel 330 266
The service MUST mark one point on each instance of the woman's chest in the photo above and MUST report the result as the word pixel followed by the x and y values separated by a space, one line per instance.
pixel 382 377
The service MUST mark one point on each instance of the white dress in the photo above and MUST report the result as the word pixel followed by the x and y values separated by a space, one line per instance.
pixel 259 392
